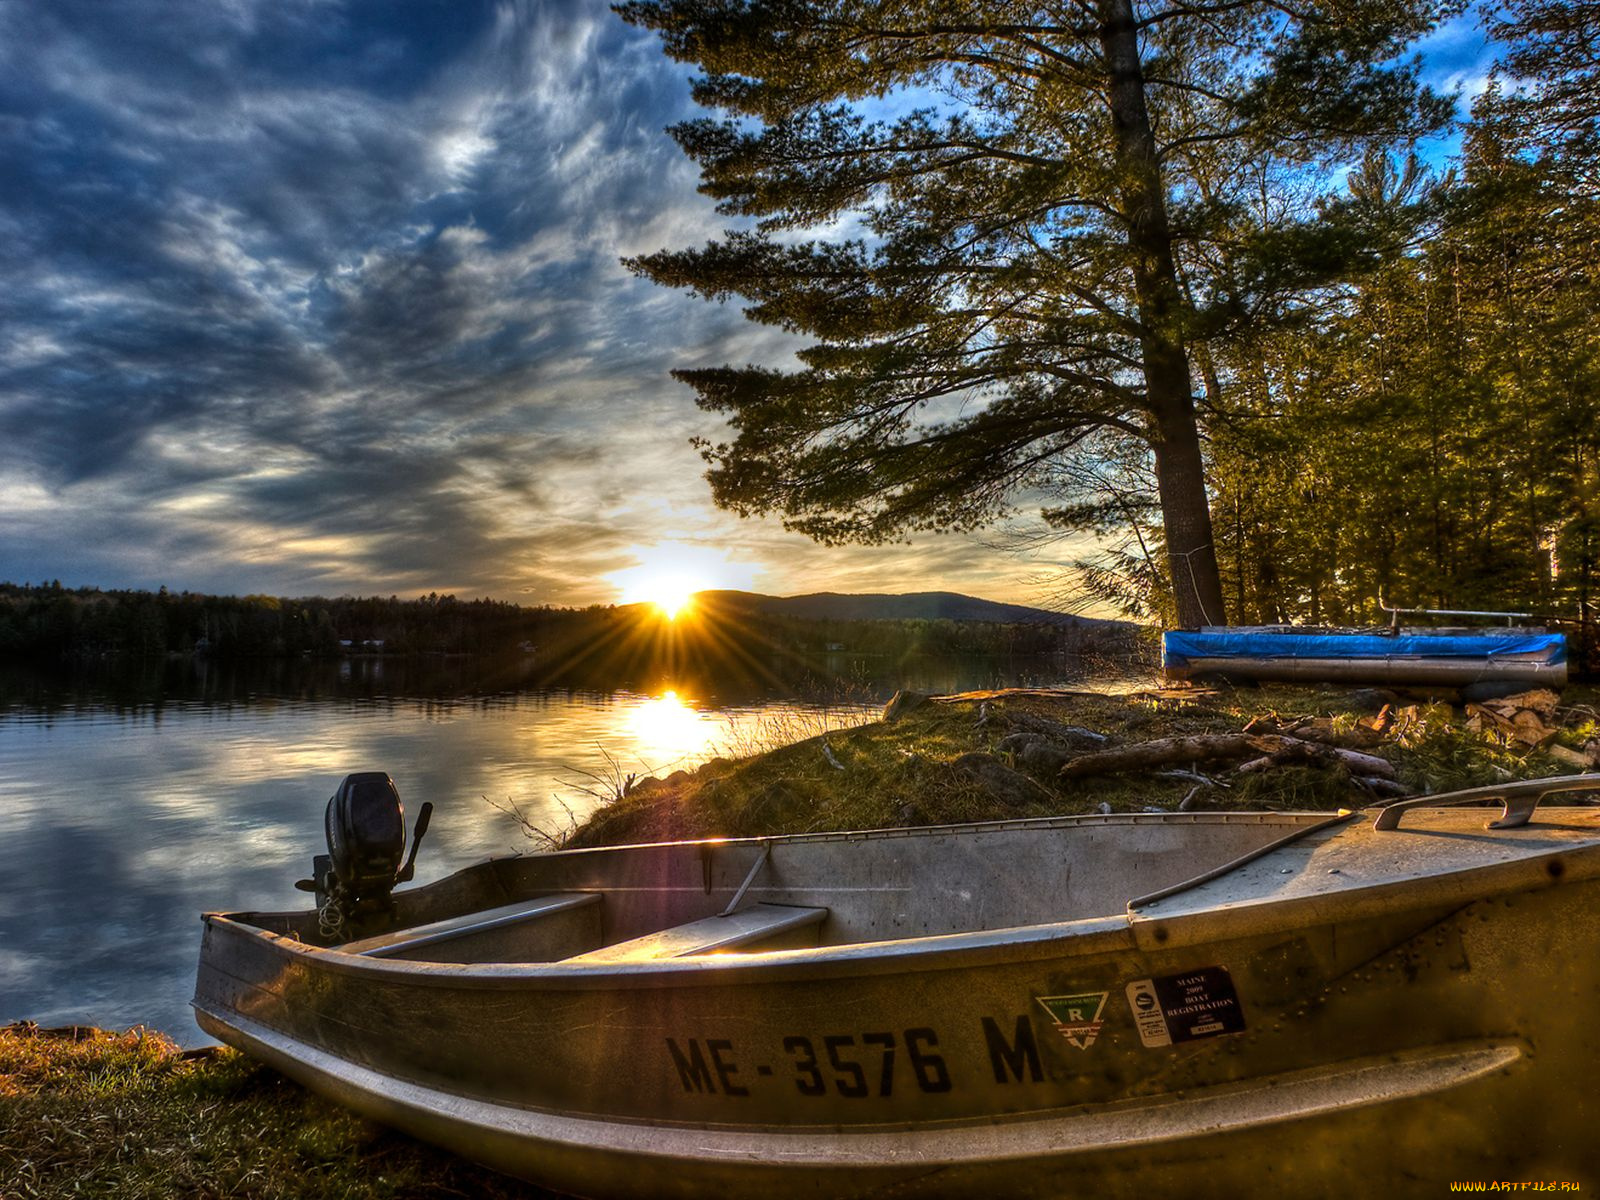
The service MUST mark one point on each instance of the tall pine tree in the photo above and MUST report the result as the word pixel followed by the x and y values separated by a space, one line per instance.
pixel 1033 216
pixel 1553 47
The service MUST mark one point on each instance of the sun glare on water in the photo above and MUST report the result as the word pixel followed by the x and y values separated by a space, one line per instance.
pixel 666 729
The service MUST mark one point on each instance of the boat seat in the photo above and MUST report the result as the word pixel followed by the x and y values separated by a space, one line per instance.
pixel 760 923
pixel 407 942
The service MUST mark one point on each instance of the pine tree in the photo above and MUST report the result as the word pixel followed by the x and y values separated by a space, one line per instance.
pixel 1009 230
pixel 1433 439
pixel 1553 46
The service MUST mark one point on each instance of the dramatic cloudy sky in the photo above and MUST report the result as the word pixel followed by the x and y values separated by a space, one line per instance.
pixel 323 296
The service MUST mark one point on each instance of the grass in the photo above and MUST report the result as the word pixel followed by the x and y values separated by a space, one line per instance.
pixel 901 773
pixel 85 1113
pixel 745 737
pixel 129 1116
pixel 765 732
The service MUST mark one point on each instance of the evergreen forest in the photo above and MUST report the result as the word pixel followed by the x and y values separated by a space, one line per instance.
pixel 48 623
pixel 1425 434
pixel 1227 285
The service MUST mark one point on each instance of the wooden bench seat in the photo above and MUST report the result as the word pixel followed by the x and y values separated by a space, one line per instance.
pixel 408 942
pixel 760 923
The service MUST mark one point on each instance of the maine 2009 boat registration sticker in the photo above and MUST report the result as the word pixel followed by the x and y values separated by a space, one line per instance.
pixel 1183 1008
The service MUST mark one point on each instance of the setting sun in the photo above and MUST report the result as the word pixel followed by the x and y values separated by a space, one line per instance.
pixel 673 598
pixel 668 575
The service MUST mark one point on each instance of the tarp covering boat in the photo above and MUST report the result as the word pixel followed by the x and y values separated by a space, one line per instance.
pixel 1180 1004
pixel 1446 658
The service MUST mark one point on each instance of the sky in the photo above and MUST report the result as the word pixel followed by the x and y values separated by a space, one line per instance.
pixel 323 297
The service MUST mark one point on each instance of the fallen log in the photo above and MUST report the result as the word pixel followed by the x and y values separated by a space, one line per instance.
pixel 1306 754
pixel 1277 749
pixel 1573 758
pixel 1162 752
pixel 1286 751
pixel 1194 777
pixel 1318 729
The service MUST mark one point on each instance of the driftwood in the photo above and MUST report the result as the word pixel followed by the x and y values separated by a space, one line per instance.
pixel 1163 752
pixel 1194 777
pixel 1319 729
pixel 1573 758
pixel 1287 751
pixel 1275 749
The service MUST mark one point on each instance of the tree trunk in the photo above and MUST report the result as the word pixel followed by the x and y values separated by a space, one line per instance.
pixel 1174 434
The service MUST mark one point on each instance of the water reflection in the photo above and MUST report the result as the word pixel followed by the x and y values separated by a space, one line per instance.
pixel 118 827
pixel 128 807
pixel 666 729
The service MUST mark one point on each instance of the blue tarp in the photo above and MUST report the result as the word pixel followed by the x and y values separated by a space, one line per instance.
pixel 1180 647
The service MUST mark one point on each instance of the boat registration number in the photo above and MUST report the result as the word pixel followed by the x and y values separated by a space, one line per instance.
pixel 844 1064
pixel 1165 1009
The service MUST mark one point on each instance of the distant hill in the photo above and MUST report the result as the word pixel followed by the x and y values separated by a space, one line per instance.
pixel 912 606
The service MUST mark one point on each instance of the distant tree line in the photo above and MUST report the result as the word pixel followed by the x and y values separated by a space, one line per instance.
pixel 49 621
pixel 52 623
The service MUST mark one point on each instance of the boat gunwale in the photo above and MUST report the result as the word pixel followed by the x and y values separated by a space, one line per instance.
pixel 1343 817
pixel 1103 933
pixel 1132 930
pixel 938 952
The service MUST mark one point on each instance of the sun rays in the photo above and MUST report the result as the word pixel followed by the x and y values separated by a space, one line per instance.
pixel 667 575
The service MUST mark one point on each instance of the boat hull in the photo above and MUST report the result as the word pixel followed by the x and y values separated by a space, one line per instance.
pixel 1417 1035
pixel 1292 1131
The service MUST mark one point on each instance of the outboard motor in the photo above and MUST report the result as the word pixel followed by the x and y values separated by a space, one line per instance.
pixel 366 828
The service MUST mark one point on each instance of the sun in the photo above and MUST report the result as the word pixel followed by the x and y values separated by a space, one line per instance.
pixel 669 589
pixel 668 574
pixel 674 597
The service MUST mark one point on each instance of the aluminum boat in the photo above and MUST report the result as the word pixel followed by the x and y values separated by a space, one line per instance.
pixel 1174 1004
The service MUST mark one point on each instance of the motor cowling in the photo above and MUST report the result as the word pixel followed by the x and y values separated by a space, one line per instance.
pixel 366 827
pixel 365 824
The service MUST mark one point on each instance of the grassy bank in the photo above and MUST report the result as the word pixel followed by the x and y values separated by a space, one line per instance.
pixel 86 1113
pixel 89 1113
pixel 968 758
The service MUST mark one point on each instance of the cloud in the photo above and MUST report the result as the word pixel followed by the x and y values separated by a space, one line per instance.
pixel 313 296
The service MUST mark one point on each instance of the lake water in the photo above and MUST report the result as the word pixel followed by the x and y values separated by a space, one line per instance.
pixel 130 804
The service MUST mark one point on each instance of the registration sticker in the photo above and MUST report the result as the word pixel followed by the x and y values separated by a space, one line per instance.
pixel 1077 1017
pixel 1197 1004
